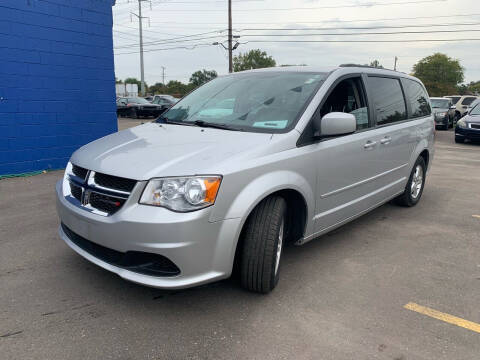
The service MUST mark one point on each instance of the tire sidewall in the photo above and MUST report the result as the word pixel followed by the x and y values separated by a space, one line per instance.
pixel 413 201
pixel 276 277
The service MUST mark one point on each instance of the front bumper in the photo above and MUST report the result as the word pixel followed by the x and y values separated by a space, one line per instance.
pixel 468 133
pixel 443 120
pixel 202 250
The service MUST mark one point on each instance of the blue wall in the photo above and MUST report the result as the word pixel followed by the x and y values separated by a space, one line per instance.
pixel 57 82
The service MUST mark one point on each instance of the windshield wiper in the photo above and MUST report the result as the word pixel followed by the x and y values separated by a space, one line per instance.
pixel 164 120
pixel 202 123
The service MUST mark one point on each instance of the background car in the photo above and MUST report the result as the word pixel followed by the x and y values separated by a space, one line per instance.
pixel 468 127
pixel 454 98
pixel 136 107
pixel 472 105
pixel 164 100
pixel 443 111
pixel 461 107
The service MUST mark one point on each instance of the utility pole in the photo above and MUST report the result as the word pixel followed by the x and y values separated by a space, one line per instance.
pixel 395 65
pixel 140 28
pixel 163 75
pixel 230 37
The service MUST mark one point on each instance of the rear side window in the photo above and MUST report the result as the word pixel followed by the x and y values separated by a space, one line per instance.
pixel 388 100
pixel 417 98
pixel 468 100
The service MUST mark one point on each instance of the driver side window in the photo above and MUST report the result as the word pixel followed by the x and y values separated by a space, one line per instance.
pixel 348 96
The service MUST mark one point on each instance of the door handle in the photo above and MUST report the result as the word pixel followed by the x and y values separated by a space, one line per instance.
pixel 386 140
pixel 369 144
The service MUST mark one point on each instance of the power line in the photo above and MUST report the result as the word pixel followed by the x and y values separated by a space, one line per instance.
pixel 191 47
pixel 367 33
pixel 195 37
pixel 177 39
pixel 364 27
pixel 372 4
pixel 326 20
pixel 358 41
pixel 170 42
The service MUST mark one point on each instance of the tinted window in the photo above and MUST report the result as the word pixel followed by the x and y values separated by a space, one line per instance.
pixel 418 99
pixel 468 101
pixel 388 100
pixel 348 97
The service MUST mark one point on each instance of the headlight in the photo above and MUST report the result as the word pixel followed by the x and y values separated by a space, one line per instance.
pixel 182 193
pixel 441 114
pixel 462 124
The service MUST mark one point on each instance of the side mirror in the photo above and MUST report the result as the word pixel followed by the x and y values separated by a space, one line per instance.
pixel 453 107
pixel 335 124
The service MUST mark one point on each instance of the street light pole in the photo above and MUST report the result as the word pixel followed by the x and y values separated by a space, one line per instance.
pixel 230 37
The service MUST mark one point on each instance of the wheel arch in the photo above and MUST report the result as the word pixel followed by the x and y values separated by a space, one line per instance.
pixel 292 186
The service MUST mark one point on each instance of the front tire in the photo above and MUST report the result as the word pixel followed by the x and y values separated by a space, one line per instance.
pixel 459 140
pixel 414 188
pixel 263 241
pixel 133 114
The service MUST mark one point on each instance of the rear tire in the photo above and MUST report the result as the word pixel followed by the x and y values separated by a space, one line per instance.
pixel 263 240
pixel 414 188
pixel 133 114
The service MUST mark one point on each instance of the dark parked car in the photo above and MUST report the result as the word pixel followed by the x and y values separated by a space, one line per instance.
pixel 136 107
pixel 468 127
pixel 444 112
pixel 166 100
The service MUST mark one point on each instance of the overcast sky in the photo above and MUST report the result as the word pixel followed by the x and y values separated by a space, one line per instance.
pixel 175 18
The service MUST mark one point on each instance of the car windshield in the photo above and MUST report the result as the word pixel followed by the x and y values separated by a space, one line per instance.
pixel 256 101
pixel 138 101
pixel 440 103
pixel 476 110
pixel 454 99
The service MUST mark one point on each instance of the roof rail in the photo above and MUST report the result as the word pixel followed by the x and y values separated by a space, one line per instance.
pixel 362 66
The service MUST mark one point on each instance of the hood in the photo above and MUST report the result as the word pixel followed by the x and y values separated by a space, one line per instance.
pixel 472 119
pixel 154 150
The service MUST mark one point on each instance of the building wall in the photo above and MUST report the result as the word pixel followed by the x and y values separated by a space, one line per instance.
pixel 57 83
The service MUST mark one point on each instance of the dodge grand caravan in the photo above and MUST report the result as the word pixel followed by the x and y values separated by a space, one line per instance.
pixel 243 165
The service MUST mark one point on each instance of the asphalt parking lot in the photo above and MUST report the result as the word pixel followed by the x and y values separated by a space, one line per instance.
pixel 341 296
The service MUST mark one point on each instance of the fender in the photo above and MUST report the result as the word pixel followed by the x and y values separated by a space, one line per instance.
pixel 257 190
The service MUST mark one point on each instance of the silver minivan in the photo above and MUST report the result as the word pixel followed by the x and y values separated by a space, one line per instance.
pixel 242 166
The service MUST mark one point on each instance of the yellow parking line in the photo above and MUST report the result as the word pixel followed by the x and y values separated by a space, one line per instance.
pixel 443 317
pixel 476 216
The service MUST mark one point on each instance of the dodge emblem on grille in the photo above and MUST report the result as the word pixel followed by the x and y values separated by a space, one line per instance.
pixel 86 197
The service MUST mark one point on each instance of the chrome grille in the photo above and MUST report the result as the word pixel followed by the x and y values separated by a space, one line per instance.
pixel 99 193
pixel 474 126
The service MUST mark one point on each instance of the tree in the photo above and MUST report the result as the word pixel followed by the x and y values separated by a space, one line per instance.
pixel 474 87
pixel 440 74
pixel 177 88
pixel 254 59
pixel 200 77
pixel 118 81
pixel 376 64
pixel 157 88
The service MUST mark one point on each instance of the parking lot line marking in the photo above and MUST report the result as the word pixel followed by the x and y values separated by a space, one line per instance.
pixel 443 317
pixel 476 216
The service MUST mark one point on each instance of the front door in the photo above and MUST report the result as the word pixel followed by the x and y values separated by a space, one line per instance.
pixel 348 166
